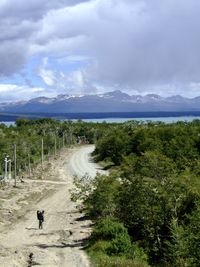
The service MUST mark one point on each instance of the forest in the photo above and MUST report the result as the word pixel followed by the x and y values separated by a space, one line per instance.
pixel 31 137
pixel 146 212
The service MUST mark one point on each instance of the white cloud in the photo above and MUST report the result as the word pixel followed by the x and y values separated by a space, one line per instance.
pixel 12 92
pixel 133 43
pixel 74 59
pixel 140 45
pixel 47 75
pixel 76 78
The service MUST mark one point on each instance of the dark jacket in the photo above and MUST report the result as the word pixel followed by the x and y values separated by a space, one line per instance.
pixel 40 215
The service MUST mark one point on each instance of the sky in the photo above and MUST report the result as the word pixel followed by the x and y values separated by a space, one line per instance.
pixel 53 47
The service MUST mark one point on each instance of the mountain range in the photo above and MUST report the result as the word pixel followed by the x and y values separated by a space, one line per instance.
pixel 115 101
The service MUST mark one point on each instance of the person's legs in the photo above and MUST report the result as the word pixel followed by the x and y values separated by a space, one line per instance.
pixel 40 224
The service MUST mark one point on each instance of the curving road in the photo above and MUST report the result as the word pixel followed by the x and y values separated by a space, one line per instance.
pixel 80 162
pixel 59 244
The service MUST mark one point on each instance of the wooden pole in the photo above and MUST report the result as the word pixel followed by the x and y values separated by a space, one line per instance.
pixel 29 165
pixel 55 146
pixel 42 155
pixel 5 167
pixel 15 165
pixel 63 140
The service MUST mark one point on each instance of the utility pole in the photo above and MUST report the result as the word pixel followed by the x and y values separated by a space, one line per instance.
pixel 58 143
pixel 63 139
pixel 5 167
pixel 15 165
pixel 29 165
pixel 9 169
pixel 55 146
pixel 71 137
pixel 42 152
pixel 49 153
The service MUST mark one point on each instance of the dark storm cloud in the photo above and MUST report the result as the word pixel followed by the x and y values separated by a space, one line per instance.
pixel 155 41
pixel 32 9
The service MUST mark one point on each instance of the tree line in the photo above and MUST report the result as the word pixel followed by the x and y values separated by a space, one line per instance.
pixel 147 210
pixel 33 136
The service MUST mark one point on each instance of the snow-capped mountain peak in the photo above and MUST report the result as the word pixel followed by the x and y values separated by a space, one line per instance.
pixel 115 101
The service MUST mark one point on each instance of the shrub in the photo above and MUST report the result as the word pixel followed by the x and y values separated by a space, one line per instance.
pixel 100 246
pixel 119 245
pixel 108 229
pixel 137 253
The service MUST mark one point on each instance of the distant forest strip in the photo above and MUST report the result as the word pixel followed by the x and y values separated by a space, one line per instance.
pixel 28 136
pixel 147 210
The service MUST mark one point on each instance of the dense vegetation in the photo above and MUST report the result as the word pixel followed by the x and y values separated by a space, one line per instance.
pixel 147 211
pixel 28 136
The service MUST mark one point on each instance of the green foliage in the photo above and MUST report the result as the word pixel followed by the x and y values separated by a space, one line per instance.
pixel 120 245
pixel 112 147
pixel 99 246
pixel 136 252
pixel 27 134
pixel 108 229
pixel 83 188
pixel 153 189
pixel 102 260
pixel 111 238
pixel 191 238
pixel 101 202
pixel 177 246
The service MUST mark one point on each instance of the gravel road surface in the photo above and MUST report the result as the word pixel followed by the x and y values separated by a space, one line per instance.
pixel 60 242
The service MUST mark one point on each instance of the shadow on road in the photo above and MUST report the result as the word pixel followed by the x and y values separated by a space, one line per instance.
pixel 76 244
pixel 82 218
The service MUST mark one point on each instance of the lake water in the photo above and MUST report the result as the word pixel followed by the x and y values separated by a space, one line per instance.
pixel 8 123
pixel 121 120
pixel 153 119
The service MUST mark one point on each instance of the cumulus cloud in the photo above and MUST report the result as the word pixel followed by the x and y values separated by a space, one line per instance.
pixel 58 82
pixel 47 75
pixel 19 24
pixel 139 45
pixel 77 82
pixel 12 92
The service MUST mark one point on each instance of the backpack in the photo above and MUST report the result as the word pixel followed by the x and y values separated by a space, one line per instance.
pixel 40 215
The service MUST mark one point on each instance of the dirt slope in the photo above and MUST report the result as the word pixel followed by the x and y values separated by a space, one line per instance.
pixel 60 242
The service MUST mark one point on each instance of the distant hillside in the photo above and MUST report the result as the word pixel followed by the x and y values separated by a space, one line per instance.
pixel 115 101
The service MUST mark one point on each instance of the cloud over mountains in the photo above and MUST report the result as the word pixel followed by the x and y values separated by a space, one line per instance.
pixel 137 45
pixel 115 101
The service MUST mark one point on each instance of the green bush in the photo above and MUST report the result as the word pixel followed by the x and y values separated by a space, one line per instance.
pixel 137 253
pixel 111 238
pixel 119 245
pixel 108 229
pixel 101 202
pixel 100 246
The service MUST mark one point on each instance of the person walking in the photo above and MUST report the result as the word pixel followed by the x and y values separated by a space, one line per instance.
pixel 40 217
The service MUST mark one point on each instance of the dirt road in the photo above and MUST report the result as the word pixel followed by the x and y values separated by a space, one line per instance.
pixel 60 242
